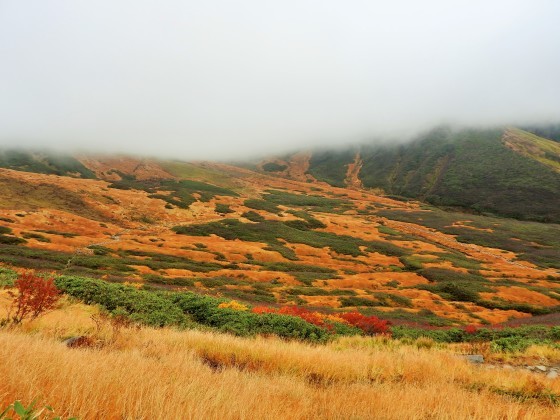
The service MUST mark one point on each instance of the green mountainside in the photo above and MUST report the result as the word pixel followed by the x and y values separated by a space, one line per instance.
pixel 550 131
pixel 471 169
pixel 44 163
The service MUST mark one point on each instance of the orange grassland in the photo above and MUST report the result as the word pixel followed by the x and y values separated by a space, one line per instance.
pixel 131 220
pixel 143 373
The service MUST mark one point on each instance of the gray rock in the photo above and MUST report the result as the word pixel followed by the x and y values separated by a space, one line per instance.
pixel 78 341
pixel 541 368
pixel 475 358
pixel 70 341
pixel 508 367
pixel 552 374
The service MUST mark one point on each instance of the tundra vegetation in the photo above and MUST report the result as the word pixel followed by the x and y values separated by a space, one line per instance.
pixel 204 344
pixel 199 280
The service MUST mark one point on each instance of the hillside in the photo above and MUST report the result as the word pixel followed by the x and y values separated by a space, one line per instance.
pixel 507 172
pixel 269 241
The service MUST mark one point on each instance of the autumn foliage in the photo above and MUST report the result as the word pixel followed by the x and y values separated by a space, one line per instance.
pixel 471 329
pixel 35 295
pixel 368 324
pixel 235 305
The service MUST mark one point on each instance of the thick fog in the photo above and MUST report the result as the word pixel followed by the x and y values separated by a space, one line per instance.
pixel 232 79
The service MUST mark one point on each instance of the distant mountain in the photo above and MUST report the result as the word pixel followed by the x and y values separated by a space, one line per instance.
pixel 508 172
pixel 550 131
pixel 44 163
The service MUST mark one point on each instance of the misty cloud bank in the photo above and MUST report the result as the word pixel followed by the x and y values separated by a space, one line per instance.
pixel 223 79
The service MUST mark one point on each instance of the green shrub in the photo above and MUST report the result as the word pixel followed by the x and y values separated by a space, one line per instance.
pixel 357 301
pixel 7 277
pixel 150 308
pixel 223 209
pixel 160 309
pixel 510 344
pixel 274 167
pixel 253 216
pixel 270 231
pixel 262 205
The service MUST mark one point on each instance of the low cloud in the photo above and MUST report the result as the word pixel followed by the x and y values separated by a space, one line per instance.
pixel 221 79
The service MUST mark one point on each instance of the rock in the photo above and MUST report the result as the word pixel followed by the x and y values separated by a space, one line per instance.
pixel 475 358
pixel 78 341
pixel 70 341
pixel 552 374
pixel 508 367
pixel 541 368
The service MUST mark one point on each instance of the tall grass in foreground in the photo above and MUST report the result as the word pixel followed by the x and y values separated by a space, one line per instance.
pixel 126 372
pixel 168 374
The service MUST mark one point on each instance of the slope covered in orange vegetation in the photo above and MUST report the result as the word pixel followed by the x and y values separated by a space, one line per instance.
pixel 261 238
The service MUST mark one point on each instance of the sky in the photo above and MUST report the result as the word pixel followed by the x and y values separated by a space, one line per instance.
pixel 234 79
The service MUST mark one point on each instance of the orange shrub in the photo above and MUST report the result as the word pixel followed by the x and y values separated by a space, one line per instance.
pixel 233 305
pixel 35 296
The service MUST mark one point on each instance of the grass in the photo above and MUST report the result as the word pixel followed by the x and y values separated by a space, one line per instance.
pixel 180 193
pixel 543 150
pixel 538 243
pixel 270 232
pixel 192 171
pixel 309 201
pixel 7 277
pixel 24 196
pixel 164 373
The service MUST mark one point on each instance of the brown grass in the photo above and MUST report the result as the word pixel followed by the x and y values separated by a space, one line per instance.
pixel 133 373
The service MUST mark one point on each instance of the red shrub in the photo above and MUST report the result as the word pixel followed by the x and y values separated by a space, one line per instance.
pixel 263 310
pixel 305 314
pixel 471 329
pixel 35 296
pixel 368 324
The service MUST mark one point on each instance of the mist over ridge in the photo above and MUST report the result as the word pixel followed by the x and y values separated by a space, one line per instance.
pixel 222 81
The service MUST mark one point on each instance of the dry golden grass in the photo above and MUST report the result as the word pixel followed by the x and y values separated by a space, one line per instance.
pixel 137 373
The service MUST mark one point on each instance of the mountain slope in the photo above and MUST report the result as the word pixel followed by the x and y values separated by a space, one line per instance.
pixel 44 163
pixel 471 169
pixel 542 150
pixel 267 240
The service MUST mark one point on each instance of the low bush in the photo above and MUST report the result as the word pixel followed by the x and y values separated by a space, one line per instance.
pixel 223 209
pixel 161 308
pixel 506 339
pixel 35 295
pixel 274 167
pixel 7 277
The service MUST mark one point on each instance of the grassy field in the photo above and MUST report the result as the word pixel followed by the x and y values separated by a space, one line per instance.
pixel 127 372
pixel 233 233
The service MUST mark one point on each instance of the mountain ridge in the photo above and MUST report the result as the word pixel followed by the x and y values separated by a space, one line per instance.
pixel 507 172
